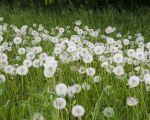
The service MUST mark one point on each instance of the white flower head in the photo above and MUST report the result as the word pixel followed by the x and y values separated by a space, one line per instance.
pixel 38 116
pixel 1 19
pixel 99 50
pixel 90 71
pixel 49 72
pixel 147 79
pixel 78 111
pixel 27 63
pixel 110 29
pixel 2 78
pixel 131 101
pixel 17 40
pixel 1 38
pixel 61 89
pixel 133 81
pixel 108 112
pixel 9 69
pixel 71 91
pixel 86 86
pixel 118 58
pixel 78 22
pixel 97 79
pixel 22 70
pixel 82 70
pixel 88 58
pixel 21 51
pixel 140 55
pixel 59 103
pixel 118 70
pixel 131 53
pixel 37 63
pixel 77 88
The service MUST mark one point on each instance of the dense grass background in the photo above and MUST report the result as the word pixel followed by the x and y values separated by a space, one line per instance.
pixel 76 3
pixel 17 104
pixel 133 21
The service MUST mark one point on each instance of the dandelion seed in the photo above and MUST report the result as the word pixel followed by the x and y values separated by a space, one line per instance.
pixel 118 70
pixel 78 22
pixel 17 40
pixel 147 79
pixel 133 81
pixel 21 51
pixel 59 103
pixel 131 101
pixel 86 86
pixel 118 58
pixel 61 89
pixel 78 111
pixel 97 79
pixel 140 55
pixel 38 116
pixel 2 78
pixel 9 69
pixel 22 70
pixel 108 112
pixel 90 71
pixel 77 88
pixel 1 38
pixel 88 58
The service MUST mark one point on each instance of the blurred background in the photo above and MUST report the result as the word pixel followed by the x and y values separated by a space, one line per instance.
pixel 73 4
pixel 127 15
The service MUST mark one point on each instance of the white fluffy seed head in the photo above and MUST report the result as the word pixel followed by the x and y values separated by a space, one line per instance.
pixel 9 69
pixel 27 63
pixel 140 55
pixel 38 116
pixel 2 78
pixel 82 70
pixel 90 71
pixel 22 70
pixel 118 70
pixel 131 101
pixel 108 112
pixel 37 63
pixel 17 40
pixel 131 53
pixel 1 38
pixel 59 103
pixel 133 81
pixel 147 79
pixel 21 51
pixel 49 72
pixel 88 58
pixel 77 88
pixel 86 86
pixel 71 91
pixel 78 111
pixel 99 50
pixel 118 58
pixel 61 89
pixel 97 79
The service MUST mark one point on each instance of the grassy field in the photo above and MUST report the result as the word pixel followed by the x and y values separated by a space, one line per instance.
pixel 133 21
pixel 28 97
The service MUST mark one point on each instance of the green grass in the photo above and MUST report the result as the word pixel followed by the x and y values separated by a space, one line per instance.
pixel 24 96
pixel 133 21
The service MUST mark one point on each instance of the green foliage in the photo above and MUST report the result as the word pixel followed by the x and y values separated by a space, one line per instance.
pixel 77 3
pixel 48 2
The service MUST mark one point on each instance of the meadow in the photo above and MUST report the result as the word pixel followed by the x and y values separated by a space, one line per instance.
pixel 74 65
